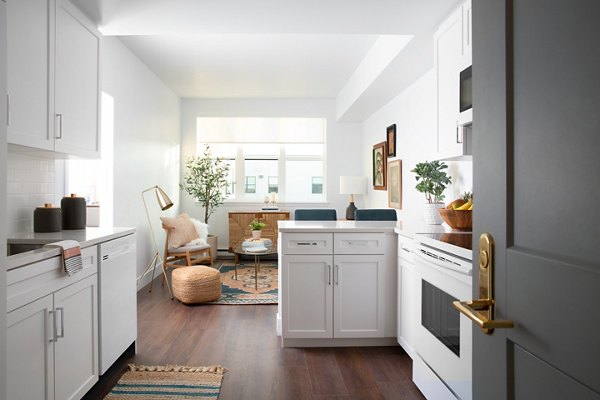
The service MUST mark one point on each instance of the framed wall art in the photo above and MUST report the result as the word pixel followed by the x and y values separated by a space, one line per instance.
pixel 391 141
pixel 379 166
pixel 395 184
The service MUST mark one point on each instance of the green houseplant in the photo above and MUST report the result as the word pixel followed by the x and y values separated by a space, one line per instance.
pixel 432 181
pixel 205 179
pixel 256 226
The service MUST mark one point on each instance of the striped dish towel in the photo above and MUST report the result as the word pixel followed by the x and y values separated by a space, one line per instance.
pixel 71 255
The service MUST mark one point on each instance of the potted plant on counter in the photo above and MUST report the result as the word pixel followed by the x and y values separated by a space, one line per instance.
pixel 256 226
pixel 432 180
pixel 205 179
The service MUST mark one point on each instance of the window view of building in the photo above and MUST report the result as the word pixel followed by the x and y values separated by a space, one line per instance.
pixel 269 155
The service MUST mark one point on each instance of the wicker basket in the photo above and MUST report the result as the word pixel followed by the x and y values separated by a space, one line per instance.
pixel 198 284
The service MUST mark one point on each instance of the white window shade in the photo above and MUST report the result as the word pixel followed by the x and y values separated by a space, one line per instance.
pixel 260 130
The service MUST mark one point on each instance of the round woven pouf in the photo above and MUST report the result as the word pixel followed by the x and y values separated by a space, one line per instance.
pixel 197 284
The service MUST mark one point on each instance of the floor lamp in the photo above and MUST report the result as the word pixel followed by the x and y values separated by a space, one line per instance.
pixel 164 203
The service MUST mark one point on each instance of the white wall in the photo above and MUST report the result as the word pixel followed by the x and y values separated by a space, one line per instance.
pixel 146 135
pixel 344 149
pixel 414 113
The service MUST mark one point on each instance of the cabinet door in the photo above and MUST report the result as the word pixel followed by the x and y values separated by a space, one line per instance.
pixel 306 296
pixel 358 296
pixel 30 355
pixel 467 36
pixel 29 57
pixel 77 83
pixel 76 349
pixel 448 60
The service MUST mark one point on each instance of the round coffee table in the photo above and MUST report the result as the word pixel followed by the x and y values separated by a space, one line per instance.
pixel 245 251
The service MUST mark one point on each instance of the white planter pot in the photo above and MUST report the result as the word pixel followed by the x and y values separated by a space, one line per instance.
pixel 256 234
pixel 431 215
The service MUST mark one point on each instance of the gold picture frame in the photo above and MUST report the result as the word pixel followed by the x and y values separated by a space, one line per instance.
pixel 395 184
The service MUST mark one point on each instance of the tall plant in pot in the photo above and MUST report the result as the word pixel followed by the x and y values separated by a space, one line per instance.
pixel 205 179
pixel 432 180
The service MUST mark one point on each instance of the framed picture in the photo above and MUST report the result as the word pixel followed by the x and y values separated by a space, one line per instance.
pixel 395 184
pixel 379 166
pixel 391 140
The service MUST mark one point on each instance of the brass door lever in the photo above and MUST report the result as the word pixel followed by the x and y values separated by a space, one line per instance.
pixel 481 311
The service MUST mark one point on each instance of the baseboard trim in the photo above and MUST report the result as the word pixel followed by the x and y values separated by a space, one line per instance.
pixel 341 342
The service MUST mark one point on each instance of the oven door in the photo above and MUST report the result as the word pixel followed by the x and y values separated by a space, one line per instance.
pixel 443 334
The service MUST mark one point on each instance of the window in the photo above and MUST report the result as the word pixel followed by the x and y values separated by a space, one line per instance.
pixel 272 184
pixel 250 186
pixel 317 184
pixel 269 155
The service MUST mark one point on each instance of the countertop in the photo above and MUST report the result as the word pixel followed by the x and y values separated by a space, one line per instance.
pixel 86 238
pixel 337 226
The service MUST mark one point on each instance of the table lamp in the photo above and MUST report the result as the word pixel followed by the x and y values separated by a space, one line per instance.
pixel 352 185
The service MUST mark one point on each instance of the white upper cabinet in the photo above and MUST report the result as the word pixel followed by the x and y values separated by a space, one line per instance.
pixel 452 46
pixel 29 54
pixel 76 83
pixel 53 78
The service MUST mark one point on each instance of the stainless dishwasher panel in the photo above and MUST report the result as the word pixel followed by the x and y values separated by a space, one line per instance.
pixel 117 298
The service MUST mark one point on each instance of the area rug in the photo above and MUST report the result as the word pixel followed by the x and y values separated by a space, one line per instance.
pixel 168 382
pixel 242 291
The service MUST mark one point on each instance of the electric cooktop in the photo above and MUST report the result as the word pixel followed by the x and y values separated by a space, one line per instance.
pixel 460 239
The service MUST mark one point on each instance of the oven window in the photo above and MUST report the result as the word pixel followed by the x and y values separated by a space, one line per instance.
pixel 439 317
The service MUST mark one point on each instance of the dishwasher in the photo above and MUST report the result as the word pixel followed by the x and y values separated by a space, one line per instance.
pixel 117 299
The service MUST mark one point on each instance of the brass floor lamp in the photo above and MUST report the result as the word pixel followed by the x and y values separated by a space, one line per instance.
pixel 164 203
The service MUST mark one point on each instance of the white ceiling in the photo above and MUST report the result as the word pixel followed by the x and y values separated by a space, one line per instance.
pixel 267 48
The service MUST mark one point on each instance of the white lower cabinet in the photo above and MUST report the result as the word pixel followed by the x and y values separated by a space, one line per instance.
pixel 408 297
pixel 52 340
pixel 334 295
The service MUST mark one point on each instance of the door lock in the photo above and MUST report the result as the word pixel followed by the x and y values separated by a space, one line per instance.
pixel 481 311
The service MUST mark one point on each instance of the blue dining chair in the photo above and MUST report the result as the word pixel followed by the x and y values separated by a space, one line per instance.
pixel 375 214
pixel 315 214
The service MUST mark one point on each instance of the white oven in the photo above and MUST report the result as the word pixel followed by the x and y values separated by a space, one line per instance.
pixel 443 368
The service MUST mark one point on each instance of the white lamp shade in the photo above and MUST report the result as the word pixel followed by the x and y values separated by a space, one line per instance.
pixel 353 184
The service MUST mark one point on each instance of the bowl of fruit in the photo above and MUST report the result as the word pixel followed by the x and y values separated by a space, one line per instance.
pixel 459 213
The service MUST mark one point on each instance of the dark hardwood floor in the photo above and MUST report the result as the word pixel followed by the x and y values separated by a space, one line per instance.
pixel 243 339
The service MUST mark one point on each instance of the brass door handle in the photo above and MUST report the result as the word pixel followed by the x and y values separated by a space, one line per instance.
pixel 471 309
pixel 481 311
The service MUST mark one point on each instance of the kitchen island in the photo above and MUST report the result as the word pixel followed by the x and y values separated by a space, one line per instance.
pixel 337 283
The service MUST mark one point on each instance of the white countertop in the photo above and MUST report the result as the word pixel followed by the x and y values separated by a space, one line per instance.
pixel 337 226
pixel 86 238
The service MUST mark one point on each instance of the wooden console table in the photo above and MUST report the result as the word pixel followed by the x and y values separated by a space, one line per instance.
pixel 239 229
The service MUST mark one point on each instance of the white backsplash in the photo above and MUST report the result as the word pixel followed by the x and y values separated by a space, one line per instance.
pixel 31 182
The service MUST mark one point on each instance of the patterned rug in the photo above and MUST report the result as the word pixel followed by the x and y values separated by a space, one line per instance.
pixel 242 291
pixel 168 382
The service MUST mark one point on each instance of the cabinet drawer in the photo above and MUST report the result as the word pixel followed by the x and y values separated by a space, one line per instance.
pixel 359 243
pixel 405 248
pixel 36 280
pixel 307 243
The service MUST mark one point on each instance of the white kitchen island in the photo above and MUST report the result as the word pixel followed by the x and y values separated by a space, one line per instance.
pixel 337 283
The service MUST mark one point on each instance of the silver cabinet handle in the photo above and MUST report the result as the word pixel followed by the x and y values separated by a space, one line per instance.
pixel 406 249
pixel 337 274
pixel 306 244
pixel 457 127
pixel 59 120
pixel 8 109
pixel 329 274
pixel 54 331
pixel 62 322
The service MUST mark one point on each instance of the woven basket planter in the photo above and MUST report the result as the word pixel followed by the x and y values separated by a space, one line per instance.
pixel 196 284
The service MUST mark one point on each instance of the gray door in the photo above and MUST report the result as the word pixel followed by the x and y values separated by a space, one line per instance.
pixel 536 165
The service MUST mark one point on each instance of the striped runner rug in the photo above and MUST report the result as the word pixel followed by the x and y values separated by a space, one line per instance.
pixel 168 382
